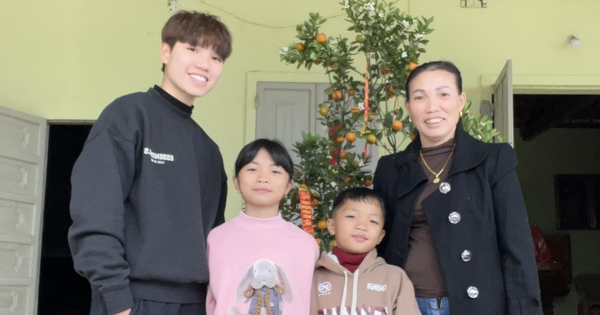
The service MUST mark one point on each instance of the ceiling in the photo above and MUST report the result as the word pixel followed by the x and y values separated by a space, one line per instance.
pixel 535 114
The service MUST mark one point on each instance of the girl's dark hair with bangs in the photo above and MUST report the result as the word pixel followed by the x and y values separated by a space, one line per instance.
pixel 434 65
pixel 276 150
pixel 196 28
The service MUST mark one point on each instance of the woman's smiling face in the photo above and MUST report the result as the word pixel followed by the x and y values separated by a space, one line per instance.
pixel 434 106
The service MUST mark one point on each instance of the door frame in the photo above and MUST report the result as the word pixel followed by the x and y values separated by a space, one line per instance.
pixel 534 84
pixel 550 84
pixel 252 79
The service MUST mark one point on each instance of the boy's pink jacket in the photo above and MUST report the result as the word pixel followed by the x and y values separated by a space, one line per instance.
pixel 260 263
pixel 374 288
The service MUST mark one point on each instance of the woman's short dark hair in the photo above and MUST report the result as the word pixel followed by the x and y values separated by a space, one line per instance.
pixel 434 65
pixel 359 194
pixel 276 150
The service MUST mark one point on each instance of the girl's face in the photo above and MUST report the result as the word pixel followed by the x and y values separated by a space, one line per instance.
pixel 262 185
pixel 434 106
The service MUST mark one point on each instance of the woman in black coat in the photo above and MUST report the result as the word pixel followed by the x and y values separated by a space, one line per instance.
pixel 455 216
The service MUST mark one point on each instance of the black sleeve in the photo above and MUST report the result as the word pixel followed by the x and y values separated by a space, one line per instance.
pixel 220 218
pixel 514 237
pixel 101 180
pixel 381 186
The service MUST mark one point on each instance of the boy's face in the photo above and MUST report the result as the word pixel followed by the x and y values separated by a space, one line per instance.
pixel 190 71
pixel 357 226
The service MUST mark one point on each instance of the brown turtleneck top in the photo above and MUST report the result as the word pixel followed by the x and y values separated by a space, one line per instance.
pixel 422 264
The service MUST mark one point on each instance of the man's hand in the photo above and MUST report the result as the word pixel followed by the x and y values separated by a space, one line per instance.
pixel 125 312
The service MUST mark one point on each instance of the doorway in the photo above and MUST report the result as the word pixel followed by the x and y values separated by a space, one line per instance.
pixel 557 135
pixel 61 290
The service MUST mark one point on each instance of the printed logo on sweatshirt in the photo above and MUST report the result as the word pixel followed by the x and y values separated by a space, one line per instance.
pixel 159 158
pixel 376 287
pixel 363 310
pixel 324 288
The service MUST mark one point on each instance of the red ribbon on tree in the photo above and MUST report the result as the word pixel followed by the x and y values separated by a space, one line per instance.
pixel 366 118
pixel 366 97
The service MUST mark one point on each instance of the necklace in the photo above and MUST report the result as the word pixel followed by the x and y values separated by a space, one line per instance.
pixel 437 175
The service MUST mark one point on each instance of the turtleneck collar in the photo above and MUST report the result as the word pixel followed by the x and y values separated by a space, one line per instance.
pixel 173 101
pixel 348 260
pixel 441 149
pixel 254 223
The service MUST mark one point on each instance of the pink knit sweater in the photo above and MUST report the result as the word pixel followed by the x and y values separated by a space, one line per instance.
pixel 260 262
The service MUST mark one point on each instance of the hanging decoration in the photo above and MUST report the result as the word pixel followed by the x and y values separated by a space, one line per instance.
pixel 306 212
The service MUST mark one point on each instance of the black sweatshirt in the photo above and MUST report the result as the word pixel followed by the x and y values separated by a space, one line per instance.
pixel 146 190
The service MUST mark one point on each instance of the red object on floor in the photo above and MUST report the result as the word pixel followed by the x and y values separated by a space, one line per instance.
pixel 542 252
pixel 594 310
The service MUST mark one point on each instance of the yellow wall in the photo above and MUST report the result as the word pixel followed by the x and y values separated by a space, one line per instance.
pixel 68 59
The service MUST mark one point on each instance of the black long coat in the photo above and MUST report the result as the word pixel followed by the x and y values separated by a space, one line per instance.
pixel 493 226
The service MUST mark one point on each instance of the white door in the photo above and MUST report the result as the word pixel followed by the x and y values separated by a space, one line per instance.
pixel 286 109
pixel 503 104
pixel 22 171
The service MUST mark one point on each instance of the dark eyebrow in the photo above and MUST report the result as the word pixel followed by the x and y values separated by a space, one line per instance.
pixel 417 90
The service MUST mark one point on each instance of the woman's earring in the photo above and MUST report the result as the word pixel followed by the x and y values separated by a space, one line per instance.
pixel 461 113
pixel 409 120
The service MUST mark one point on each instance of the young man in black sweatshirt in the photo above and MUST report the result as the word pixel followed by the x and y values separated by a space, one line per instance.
pixel 150 184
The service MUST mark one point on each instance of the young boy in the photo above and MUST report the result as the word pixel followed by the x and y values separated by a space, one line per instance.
pixel 352 274
pixel 150 184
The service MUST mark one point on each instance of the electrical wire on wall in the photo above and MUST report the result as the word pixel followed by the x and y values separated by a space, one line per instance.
pixel 174 5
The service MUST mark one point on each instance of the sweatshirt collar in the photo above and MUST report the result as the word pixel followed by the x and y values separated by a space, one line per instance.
pixel 173 101
pixel 259 224
pixel 329 261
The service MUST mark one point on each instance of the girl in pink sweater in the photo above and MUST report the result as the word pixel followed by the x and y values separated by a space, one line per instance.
pixel 258 262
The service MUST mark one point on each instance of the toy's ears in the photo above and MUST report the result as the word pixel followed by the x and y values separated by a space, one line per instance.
pixel 285 283
pixel 244 283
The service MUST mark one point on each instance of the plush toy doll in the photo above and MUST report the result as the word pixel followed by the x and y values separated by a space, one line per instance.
pixel 265 285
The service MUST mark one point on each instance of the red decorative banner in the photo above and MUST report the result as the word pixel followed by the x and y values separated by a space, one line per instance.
pixel 306 209
pixel 366 118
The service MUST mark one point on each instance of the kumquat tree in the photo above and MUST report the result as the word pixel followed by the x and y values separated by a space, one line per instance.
pixel 367 76
pixel 365 97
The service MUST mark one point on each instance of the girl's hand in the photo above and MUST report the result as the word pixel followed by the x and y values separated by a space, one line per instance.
pixel 125 312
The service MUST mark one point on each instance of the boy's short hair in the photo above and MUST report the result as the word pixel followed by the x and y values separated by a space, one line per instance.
pixel 361 194
pixel 197 28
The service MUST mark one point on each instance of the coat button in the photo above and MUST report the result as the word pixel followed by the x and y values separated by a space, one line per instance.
pixel 454 217
pixel 445 188
pixel 465 255
pixel 473 292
